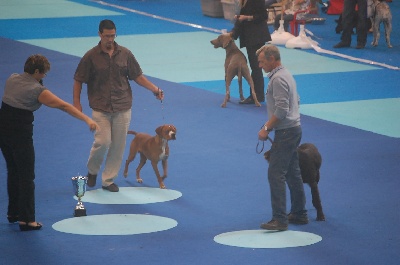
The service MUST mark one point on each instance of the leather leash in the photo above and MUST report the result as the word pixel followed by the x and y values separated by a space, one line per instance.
pixel 258 143
pixel 162 103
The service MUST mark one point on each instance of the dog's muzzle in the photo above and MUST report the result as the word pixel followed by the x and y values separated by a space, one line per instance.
pixel 172 135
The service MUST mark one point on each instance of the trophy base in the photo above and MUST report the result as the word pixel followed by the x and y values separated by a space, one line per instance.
pixel 79 212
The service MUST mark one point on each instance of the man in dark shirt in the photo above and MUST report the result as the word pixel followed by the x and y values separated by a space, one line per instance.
pixel 107 69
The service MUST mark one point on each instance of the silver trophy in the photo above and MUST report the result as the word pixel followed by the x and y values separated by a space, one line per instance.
pixel 79 186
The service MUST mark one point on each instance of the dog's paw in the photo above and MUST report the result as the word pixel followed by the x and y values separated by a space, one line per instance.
pixel 139 180
pixel 162 186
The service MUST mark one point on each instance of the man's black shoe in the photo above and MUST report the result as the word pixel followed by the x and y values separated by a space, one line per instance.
pixel 248 100
pixel 91 182
pixel 342 45
pixel 274 225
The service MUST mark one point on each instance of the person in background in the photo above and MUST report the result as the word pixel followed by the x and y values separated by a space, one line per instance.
pixel 252 30
pixel 348 15
pixel 107 69
pixel 292 6
pixel 284 119
pixel 23 94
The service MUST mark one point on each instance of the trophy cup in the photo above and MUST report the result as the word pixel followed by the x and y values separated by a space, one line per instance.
pixel 79 186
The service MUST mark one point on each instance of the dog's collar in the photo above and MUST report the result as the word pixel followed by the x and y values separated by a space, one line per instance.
pixel 228 43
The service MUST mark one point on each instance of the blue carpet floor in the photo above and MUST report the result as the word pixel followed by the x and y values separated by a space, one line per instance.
pixel 218 192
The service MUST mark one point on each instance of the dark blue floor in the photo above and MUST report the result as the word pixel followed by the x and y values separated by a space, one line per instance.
pixel 213 163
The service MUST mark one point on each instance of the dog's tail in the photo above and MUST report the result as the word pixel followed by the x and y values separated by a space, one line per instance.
pixel 132 132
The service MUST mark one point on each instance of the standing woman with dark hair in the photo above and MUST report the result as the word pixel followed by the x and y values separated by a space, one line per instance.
pixel 252 30
pixel 23 94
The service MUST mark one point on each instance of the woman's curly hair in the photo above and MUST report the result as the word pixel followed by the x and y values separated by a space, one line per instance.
pixel 37 61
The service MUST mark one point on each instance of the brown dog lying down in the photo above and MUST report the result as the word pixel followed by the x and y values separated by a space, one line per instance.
pixel 235 65
pixel 153 148
pixel 310 161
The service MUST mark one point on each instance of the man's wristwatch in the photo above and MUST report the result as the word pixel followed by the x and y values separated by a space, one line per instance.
pixel 266 128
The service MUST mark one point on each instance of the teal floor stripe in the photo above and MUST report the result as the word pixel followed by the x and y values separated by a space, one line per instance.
pixel 190 57
pixel 378 116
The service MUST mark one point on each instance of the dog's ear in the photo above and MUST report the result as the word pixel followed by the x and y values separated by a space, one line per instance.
pixel 159 130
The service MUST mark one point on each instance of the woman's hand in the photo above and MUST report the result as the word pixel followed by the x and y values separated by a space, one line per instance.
pixel 93 126
pixel 243 18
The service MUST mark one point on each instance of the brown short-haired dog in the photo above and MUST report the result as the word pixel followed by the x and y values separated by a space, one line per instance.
pixel 235 65
pixel 153 148
pixel 310 161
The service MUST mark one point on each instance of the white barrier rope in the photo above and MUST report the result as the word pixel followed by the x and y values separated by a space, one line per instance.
pixel 320 50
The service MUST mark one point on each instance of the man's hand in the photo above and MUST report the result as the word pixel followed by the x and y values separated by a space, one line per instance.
pixel 263 134
pixel 159 94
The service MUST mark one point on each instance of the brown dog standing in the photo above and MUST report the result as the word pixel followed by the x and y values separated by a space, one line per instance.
pixel 235 65
pixel 153 148
pixel 310 161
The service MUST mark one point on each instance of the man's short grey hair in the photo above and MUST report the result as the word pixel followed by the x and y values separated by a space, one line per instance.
pixel 269 50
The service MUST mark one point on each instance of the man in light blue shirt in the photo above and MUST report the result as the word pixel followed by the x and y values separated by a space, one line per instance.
pixel 284 118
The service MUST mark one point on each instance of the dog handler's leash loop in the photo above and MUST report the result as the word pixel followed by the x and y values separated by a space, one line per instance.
pixel 258 143
pixel 262 148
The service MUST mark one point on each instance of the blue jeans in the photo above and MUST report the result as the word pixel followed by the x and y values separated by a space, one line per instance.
pixel 284 168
